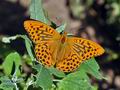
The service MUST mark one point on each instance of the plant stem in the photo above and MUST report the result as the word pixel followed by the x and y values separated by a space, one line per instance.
pixel 16 86
pixel 56 80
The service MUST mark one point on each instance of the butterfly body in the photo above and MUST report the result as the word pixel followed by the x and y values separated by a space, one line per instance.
pixel 59 50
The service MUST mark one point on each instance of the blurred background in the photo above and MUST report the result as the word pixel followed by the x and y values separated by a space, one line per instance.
pixel 97 20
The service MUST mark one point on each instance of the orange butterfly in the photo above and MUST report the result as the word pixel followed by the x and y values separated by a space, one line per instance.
pixel 54 49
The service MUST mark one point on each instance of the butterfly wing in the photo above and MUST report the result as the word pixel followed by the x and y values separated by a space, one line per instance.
pixel 45 39
pixel 39 31
pixel 46 53
pixel 69 62
pixel 79 50
pixel 85 49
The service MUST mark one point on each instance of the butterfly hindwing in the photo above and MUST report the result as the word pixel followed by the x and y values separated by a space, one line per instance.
pixel 69 63
pixel 39 31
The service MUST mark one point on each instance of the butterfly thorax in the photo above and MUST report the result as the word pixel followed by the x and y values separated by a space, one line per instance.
pixel 63 38
pixel 61 47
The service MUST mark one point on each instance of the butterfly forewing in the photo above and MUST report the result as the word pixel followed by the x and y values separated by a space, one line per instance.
pixel 39 31
pixel 44 37
pixel 84 48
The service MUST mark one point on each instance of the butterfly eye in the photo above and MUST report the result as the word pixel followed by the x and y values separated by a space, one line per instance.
pixel 61 32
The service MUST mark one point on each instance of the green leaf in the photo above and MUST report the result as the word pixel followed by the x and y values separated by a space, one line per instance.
pixel 61 28
pixel 75 81
pixel 8 39
pixel 79 80
pixel 28 45
pixel 38 67
pixel 37 12
pixel 95 87
pixel 6 83
pixel 56 72
pixel 91 67
pixel 44 78
pixel 8 63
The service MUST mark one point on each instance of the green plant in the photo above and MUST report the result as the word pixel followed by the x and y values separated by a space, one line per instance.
pixel 43 78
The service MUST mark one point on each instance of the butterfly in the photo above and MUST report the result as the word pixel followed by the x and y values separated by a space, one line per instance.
pixel 58 50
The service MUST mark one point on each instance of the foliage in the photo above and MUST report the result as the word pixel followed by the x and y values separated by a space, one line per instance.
pixel 41 77
pixel 104 16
